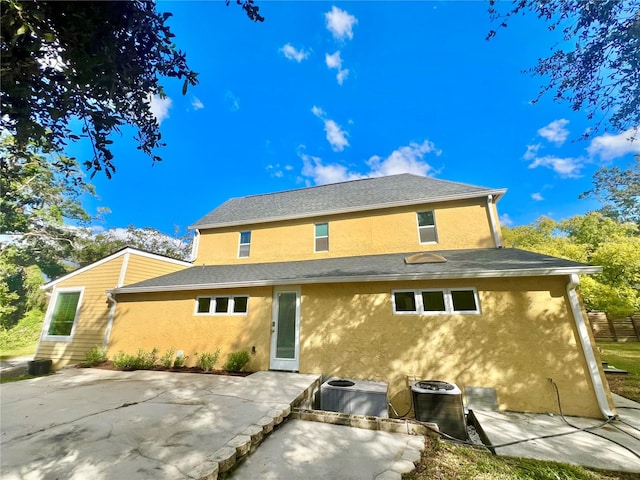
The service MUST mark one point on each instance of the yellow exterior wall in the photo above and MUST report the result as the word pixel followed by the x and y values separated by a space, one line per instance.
pixel 460 224
pixel 524 335
pixel 168 320
pixel 93 316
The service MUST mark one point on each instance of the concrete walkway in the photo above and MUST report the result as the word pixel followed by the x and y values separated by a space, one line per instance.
pixel 100 424
pixel 14 367
pixel 576 447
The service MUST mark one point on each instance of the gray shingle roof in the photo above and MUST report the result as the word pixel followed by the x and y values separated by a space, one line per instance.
pixel 476 263
pixel 365 194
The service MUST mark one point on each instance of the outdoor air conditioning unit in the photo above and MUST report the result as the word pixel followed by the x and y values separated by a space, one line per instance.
pixel 357 397
pixel 441 403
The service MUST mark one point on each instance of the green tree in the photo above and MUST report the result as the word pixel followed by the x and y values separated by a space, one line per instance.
pixel 619 190
pixel 595 65
pixel 97 62
pixel 91 248
pixel 594 239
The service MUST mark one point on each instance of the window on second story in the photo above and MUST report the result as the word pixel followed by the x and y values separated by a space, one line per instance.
pixel 322 237
pixel 427 227
pixel 245 244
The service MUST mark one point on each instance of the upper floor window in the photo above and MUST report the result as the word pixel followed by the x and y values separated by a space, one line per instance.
pixel 427 227
pixel 225 305
pixel 431 302
pixel 245 244
pixel 322 237
pixel 64 314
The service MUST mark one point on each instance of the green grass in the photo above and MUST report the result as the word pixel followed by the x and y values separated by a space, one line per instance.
pixel 22 339
pixel 442 461
pixel 16 379
pixel 627 357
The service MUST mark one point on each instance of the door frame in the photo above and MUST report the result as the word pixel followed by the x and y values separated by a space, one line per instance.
pixel 286 364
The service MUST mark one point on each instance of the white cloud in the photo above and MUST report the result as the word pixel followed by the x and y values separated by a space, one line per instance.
pixel 565 167
pixel 336 136
pixel 292 53
pixel 532 151
pixel 232 101
pixel 334 61
pixel 608 146
pixel 555 131
pixel 277 170
pixel 505 220
pixel 340 23
pixel 406 159
pixel 196 103
pixel 537 197
pixel 159 107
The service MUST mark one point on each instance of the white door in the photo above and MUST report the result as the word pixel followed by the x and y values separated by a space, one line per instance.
pixel 285 329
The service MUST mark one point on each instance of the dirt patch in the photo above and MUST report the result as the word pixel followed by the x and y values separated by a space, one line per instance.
pixel 108 365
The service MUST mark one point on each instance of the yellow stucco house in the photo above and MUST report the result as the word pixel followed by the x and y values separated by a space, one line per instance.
pixel 392 279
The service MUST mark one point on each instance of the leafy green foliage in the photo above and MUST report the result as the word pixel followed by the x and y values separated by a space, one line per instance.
pixel 594 65
pixel 90 248
pixel 207 360
pixel 96 62
pixel 24 334
pixel 95 356
pixel 594 239
pixel 619 190
pixel 179 361
pixel 167 359
pixel 143 360
pixel 237 361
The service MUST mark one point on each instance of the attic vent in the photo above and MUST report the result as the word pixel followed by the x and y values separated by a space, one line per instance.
pixel 424 258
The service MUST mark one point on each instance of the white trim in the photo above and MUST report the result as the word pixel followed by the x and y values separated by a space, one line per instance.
pixel 195 245
pixel 531 272
pixel 447 297
pixel 212 306
pixel 44 335
pixel 378 206
pixel 112 301
pixel 240 244
pixel 286 364
pixel 587 347
pixel 435 228
pixel 316 237
pixel 492 221
pixel 124 251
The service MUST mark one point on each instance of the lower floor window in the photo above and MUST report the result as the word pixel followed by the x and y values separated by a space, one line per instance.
pixel 63 315
pixel 223 305
pixel 435 301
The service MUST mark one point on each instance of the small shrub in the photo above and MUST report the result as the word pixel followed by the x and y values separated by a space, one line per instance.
pixel 95 356
pixel 237 361
pixel 142 361
pixel 207 361
pixel 179 361
pixel 167 359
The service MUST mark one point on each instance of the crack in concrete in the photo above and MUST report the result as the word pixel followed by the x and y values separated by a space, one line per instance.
pixel 44 429
pixel 139 452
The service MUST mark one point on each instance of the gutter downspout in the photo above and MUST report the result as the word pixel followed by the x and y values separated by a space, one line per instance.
pixel 492 221
pixel 587 347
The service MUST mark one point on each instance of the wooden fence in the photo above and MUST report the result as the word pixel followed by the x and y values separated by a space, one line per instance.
pixel 625 329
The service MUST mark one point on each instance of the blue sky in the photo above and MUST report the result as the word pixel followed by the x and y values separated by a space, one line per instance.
pixel 324 92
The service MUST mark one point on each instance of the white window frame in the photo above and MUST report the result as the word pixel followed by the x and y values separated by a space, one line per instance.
pixel 247 244
pixel 316 237
pixel 51 308
pixel 212 305
pixel 434 227
pixel 448 301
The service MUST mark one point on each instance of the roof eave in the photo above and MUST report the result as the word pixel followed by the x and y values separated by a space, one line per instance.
pixel 528 272
pixel 497 194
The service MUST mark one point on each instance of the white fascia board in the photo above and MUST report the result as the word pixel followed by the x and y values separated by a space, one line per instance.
pixel 124 251
pixel 497 194
pixel 531 272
